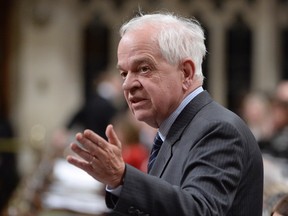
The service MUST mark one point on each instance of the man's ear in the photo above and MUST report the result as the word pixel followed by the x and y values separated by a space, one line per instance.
pixel 188 70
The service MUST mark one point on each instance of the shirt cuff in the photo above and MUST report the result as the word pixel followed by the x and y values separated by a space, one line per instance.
pixel 115 191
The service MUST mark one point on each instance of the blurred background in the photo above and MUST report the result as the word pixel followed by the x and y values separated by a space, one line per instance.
pixel 58 76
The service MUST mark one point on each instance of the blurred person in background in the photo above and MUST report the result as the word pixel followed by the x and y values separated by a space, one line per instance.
pixel 255 110
pixel 134 152
pixel 277 144
pixel 69 187
pixel 96 113
pixel 208 160
pixel 9 176
pixel 101 108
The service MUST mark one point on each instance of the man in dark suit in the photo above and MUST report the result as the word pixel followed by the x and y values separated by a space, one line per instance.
pixel 209 162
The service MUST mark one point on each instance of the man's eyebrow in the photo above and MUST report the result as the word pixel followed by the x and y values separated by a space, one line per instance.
pixel 137 62
pixel 143 60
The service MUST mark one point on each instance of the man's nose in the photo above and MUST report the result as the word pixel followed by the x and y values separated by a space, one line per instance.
pixel 131 82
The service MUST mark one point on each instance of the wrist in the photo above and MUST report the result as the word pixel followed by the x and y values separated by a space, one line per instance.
pixel 118 182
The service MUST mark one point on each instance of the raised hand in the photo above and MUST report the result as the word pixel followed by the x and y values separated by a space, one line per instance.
pixel 99 158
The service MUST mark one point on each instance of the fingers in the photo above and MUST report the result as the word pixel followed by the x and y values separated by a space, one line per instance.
pixel 101 159
pixel 92 141
pixel 88 140
pixel 84 165
pixel 81 152
pixel 95 146
pixel 87 162
pixel 92 136
pixel 112 136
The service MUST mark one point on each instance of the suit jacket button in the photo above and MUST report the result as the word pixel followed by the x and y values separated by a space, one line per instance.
pixel 131 210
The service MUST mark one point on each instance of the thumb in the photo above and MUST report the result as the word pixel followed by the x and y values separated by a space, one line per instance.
pixel 112 136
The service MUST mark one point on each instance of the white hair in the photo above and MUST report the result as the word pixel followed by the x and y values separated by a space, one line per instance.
pixel 178 37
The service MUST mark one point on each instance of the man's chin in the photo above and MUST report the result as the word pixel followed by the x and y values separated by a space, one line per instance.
pixel 141 116
pixel 146 119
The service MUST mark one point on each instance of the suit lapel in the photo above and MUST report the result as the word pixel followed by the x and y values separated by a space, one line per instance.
pixel 176 130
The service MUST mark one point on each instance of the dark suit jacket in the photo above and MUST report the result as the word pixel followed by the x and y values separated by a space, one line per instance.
pixel 209 164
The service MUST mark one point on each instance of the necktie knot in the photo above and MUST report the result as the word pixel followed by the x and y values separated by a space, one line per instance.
pixel 157 141
pixel 155 149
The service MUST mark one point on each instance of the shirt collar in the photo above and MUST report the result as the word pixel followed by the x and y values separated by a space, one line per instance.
pixel 167 123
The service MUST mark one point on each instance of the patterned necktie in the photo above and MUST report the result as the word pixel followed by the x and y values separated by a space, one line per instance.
pixel 156 147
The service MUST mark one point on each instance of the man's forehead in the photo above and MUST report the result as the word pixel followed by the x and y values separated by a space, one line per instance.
pixel 135 60
pixel 138 51
pixel 136 40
